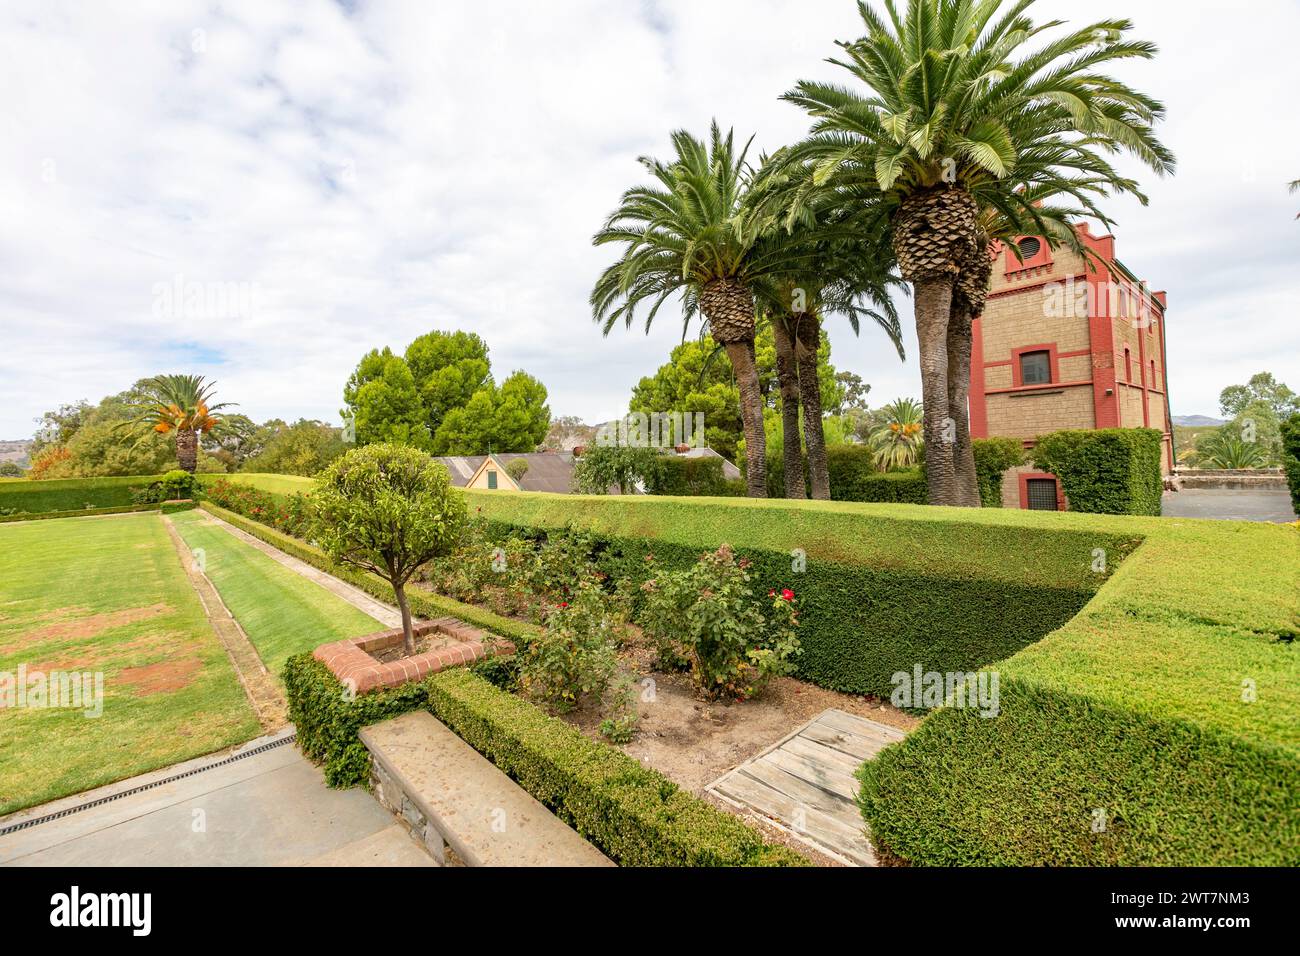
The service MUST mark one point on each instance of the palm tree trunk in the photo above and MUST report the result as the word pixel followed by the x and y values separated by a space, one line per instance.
pixel 959 357
pixel 933 304
pixel 808 335
pixel 187 449
pixel 741 355
pixel 787 375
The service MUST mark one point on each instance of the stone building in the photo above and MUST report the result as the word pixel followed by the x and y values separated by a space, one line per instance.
pixel 1066 341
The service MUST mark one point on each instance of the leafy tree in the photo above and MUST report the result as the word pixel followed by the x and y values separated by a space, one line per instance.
pixel 511 418
pixel 57 427
pixel 449 368
pixel 968 106
pixel 388 509
pixel 10 469
pixel 623 467
pixel 1262 387
pixel 853 393
pixel 179 405
pixel 236 439
pixel 303 448
pixel 385 403
pixel 567 432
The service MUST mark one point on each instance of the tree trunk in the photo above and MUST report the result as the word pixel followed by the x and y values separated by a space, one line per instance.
pixel 187 449
pixel 959 353
pixel 933 304
pixel 808 335
pixel 787 374
pixel 751 415
pixel 408 632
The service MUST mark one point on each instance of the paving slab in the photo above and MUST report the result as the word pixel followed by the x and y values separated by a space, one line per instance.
pixel 269 809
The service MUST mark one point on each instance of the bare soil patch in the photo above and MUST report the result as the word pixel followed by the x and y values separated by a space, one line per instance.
pixel 424 643
pixel 73 622
pixel 693 741
pixel 161 678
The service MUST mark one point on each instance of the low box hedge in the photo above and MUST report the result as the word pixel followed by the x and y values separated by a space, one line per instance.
pixel 71 494
pixel 78 513
pixel 1112 471
pixel 635 815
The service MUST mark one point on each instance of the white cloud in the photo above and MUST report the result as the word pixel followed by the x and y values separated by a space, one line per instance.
pixel 400 167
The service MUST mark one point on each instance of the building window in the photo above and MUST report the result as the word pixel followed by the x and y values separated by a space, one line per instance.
pixel 492 479
pixel 1035 368
pixel 1029 248
pixel 1153 373
pixel 1128 366
pixel 1041 494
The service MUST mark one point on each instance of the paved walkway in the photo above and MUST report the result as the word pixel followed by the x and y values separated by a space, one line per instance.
pixel 1229 504
pixel 386 614
pixel 270 809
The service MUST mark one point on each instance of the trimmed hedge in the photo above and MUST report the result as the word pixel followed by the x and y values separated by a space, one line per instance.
pixel 880 592
pixel 635 815
pixel 71 494
pixel 1291 457
pixel 423 603
pixel 1105 471
pixel 79 513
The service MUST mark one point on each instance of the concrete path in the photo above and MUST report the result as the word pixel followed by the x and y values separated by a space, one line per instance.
pixel 1229 504
pixel 386 614
pixel 269 809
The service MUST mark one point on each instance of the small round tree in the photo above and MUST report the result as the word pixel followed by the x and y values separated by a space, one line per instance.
pixel 388 509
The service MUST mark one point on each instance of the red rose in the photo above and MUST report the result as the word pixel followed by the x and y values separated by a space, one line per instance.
pixel 787 594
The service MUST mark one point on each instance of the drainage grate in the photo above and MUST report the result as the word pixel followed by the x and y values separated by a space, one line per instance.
pixel 36 821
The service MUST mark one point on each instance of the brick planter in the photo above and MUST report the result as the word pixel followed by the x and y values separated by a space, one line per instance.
pixel 351 661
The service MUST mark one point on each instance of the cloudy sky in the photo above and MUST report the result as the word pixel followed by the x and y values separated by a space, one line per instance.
pixel 331 177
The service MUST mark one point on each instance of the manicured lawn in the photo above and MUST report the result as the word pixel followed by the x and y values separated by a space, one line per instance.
pixel 108 596
pixel 281 612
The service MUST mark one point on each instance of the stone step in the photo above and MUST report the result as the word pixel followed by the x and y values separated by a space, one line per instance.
pixel 453 796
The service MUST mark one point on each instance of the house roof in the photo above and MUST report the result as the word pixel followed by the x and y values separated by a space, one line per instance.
pixel 547 471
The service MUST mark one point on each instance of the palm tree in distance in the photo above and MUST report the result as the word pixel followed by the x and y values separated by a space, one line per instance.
pixel 180 405
pixel 964 106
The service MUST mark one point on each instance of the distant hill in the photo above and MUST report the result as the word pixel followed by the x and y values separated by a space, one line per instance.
pixel 1197 421
pixel 16 451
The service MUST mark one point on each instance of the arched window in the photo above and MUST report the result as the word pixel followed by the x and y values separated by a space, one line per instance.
pixel 1128 366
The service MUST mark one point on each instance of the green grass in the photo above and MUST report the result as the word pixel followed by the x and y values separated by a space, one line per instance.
pixel 275 484
pixel 108 595
pixel 282 612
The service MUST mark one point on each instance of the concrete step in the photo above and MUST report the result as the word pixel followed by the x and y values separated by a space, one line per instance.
pixel 452 796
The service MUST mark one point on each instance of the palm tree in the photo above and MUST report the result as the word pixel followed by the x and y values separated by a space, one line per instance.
pixel 693 234
pixel 180 404
pixel 896 442
pixel 828 266
pixel 1295 187
pixel 968 103
pixel 1226 448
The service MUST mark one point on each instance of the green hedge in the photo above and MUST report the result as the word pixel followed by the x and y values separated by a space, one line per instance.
pixel 993 458
pixel 1291 457
pixel 71 494
pixel 878 593
pixel 635 815
pixel 1105 471
pixel 686 477
pixel 424 604
pixel 79 513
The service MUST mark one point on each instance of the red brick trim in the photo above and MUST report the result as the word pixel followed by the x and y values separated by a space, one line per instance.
pixel 351 661
pixel 1024 479
pixel 1030 389
pixel 979 410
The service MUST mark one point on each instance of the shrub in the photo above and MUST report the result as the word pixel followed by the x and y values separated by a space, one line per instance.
pixel 1291 457
pixel 621 467
pixel 1106 471
pixel 70 494
pixel 993 458
pixel 576 654
pixel 290 514
pixel 707 617
pixel 388 509
pixel 635 815
pixel 688 477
